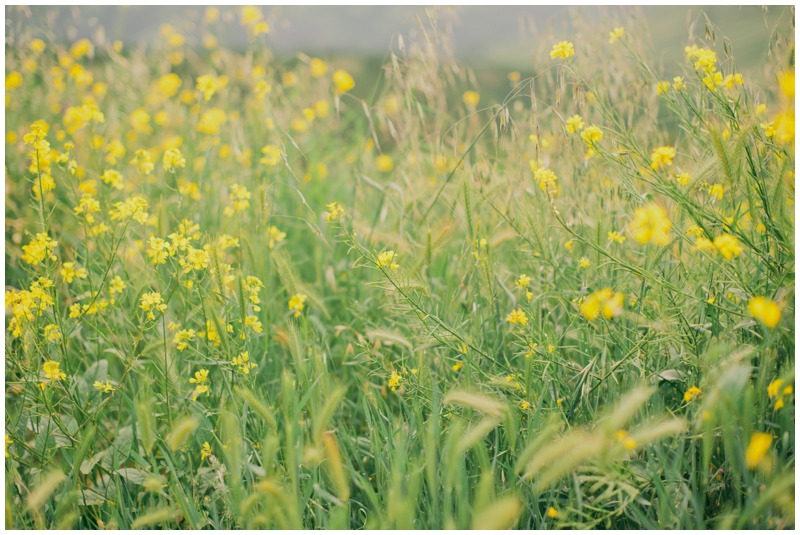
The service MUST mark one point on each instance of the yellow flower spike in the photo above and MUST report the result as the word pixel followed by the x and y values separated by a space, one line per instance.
pixel 335 211
pixel 394 380
pixel 297 304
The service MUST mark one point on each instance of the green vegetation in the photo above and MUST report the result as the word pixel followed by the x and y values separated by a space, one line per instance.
pixel 246 293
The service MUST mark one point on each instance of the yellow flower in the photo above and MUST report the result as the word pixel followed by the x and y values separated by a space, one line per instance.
pixel 52 372
pixel 13 80
pixel 692 393
pixel 114 150
pixel 650 225
pixel 784 127
pixel 68 272
pixel 769 128
pixel 678 84
pixel 547 179
pixel 200 378
pixel 457 366
pixel 758 448
pixel 173 159
pixel 343 81
pixel 318 68
pixel 275 236
pixel 243 363
pixel 728 246
pixel 182 338
pixel 142 162
pixel 104 387
pixel 8 443
pixel 765 310
pixel 774 388
pixel 38 249
pixel 297 303
pixel 562 49
pixel 240 197
pixel 260 27
pixel 298 125
pixel 574 124
pixel 517 317
pixel 140 121
pixel 584 262
pixel 151 301
pixel 211 120
pixel 552 513
pixel 387 258
pixel 272 155
pixel 605 301
pixel 205 451
pixel 52 333
pixel 37 46
pixel 616 237
pixel 394 380
pixel 471 98
pixel 321 108
pixel 662 87
pixel 384 163
pixel 616 34
pixel 592 134
pixel 81 48
pixel 168 85
pixel 661 156
pixel 523 281
pixel 208 85
pixel 113 178
pixel 683 178
pixel 335 211
pixel 625 439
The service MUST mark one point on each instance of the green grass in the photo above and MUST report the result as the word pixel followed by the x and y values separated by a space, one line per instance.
pixel 402 397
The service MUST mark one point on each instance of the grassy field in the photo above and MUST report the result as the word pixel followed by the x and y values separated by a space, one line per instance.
pixel 251 293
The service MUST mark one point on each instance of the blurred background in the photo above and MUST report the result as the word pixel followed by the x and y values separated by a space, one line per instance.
pixel 491 40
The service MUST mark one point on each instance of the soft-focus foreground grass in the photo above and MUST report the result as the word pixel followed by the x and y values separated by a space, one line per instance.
pixel 239 297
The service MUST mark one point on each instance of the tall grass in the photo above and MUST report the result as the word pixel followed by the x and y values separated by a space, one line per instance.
pixel 415 310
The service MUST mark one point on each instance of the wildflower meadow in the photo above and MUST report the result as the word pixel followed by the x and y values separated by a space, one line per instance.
pixel 246 290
